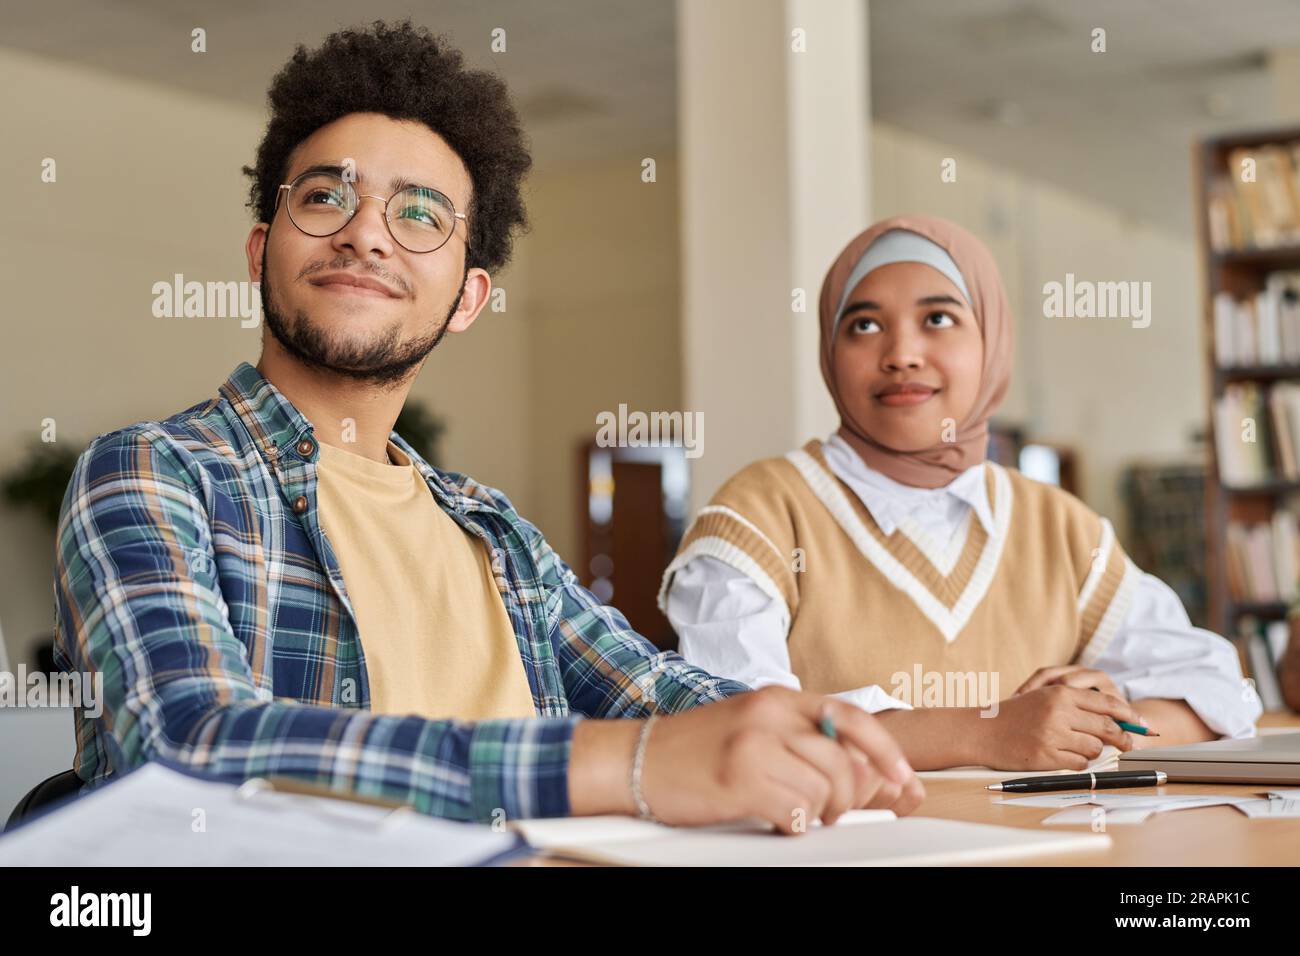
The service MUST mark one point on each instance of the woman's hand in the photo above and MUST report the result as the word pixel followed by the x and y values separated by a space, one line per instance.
pixel 1071 675
pixel 1056 726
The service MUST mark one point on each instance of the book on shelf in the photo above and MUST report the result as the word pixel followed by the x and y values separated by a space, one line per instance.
pixel 1263 329
pixel 1243 434
pixel 1227 232
pixel 1263 559
pixel 1264 643
pixel 1255 203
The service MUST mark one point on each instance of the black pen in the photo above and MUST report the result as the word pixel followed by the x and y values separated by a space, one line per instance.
pixel 1108 780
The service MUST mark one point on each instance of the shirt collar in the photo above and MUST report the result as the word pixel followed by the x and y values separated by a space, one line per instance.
pixel 890 501
pixel 277 427
pixel 275 424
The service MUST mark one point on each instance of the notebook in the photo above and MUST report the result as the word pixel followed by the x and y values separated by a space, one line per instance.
pixel 1268 758
pixel 160 815
pixel 859 838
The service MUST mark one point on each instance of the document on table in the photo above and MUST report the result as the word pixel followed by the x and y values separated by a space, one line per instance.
pixel 1276 808
pixel 158 816
pixel 1130 808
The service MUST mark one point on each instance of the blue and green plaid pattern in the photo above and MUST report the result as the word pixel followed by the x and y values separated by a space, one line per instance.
pixel 218 617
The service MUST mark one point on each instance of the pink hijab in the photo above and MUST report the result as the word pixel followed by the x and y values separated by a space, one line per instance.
pixel 939 464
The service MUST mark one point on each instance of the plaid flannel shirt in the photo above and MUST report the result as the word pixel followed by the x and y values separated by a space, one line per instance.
pixel 192 573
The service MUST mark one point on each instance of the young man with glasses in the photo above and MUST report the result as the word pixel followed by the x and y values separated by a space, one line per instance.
pixel 273 582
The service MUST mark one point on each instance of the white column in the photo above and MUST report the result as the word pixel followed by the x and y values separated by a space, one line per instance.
pixel 774 164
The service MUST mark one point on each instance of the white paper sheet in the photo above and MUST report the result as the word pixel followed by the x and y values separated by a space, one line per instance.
pixel 1119 808
pixel 591 831
pixel 860 838
pixel 1275 809
pixel 155 816
pixel 1111 816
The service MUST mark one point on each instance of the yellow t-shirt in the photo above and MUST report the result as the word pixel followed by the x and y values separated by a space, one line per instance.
pixel 437 639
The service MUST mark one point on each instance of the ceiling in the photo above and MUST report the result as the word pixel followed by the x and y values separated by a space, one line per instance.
pixel 591 78
pixel 1012 81
pixel 1016 82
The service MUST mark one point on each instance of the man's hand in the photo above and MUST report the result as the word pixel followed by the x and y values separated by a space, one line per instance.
pixel 1056 726
pixel 760 754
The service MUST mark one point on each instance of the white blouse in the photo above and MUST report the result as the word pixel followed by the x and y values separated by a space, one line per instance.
pixel 731 627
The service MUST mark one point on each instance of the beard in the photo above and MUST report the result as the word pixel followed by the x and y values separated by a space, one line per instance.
pixel 384 361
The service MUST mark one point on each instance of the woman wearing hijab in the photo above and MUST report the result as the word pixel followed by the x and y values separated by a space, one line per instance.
pixel 892 565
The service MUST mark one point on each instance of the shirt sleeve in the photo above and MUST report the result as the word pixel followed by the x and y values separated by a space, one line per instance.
pixel 139 603
pixel 1158 653
pixel 727 624
pixel 608 669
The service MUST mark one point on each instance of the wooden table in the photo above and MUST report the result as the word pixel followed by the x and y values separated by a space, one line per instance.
pixel 1210 836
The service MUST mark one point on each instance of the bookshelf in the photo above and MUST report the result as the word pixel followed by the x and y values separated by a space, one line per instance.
pixel 1249 237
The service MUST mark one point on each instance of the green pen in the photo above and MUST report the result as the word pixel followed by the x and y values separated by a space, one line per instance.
pixel 1132 728
pixel 826 724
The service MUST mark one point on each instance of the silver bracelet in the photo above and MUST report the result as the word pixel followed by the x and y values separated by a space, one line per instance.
pixel 638 761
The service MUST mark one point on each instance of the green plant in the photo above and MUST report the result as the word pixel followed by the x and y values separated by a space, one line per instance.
pixel 41 479
pixel 421 429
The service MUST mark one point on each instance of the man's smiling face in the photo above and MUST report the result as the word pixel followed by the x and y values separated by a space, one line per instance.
pixel 312 303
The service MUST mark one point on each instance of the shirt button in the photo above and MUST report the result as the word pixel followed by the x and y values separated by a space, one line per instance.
pixel 306 447
pixel 299 504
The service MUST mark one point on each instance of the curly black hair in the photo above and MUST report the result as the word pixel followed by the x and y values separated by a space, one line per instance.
pixel 406 73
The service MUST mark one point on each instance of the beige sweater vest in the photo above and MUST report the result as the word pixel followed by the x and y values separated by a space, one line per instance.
pixel 1049 586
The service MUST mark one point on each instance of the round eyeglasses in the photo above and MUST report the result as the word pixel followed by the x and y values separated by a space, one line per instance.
pixel 420 219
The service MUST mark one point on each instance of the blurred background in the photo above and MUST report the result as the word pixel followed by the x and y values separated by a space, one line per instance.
pixel 775 131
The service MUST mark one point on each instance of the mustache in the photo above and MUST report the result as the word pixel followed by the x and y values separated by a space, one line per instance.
pixel 345 263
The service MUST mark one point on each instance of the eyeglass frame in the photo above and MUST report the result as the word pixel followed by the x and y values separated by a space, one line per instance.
pixel 360 196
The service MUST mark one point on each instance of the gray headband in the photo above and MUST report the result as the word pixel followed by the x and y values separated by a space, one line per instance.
pixel 899 245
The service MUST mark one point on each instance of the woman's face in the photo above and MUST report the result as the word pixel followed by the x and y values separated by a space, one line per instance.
pixel 907 357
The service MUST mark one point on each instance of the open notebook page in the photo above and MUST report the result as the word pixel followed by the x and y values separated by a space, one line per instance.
pixel 859 838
